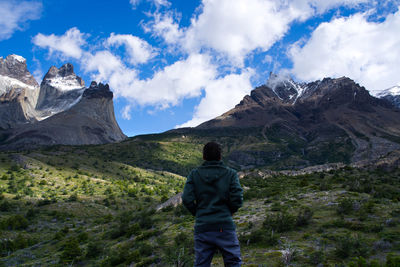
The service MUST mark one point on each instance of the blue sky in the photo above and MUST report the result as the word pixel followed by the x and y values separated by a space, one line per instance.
pixel 179 63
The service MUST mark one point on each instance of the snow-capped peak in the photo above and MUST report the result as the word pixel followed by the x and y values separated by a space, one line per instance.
pixel 395 90
pixel 63 79
pixel 285 88
pixel 18 58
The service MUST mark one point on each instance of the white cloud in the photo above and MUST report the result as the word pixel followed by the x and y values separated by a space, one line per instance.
pixel 126 112
pixel 165 25
pixel 13 16
pixel 157 3
pixel 103 64
pixel 221 95
pixel 139 51
pixel 183 79
pixel 134 3
pixel 355 47
pixel 237 28
pixel 68 44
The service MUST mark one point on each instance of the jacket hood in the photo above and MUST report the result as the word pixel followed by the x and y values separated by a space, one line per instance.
pixel 211 171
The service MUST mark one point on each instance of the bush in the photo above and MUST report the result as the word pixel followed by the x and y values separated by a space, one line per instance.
pixel 280 222
pixel 317 257
pixel 71 250
pixel 93 249
pixel 304 216
pixel 358 262
pixel 181 210
pixel 82 237
pixel 5 206
pixel 21 241
pixel 14 222
pixel 393 260
pixel 351 245
pixel 345 206
pixel 260 236
pixel 73 197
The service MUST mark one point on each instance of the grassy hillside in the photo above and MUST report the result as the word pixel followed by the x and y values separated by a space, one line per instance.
pixel 95 206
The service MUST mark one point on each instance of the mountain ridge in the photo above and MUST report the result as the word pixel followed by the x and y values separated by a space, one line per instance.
pixel 326 121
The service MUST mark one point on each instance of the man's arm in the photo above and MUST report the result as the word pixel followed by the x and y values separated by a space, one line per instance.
pixel 188 196
pixel 235 194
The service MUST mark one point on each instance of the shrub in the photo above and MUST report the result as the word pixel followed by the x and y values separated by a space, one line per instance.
pixel 93 249
pixel 316 257
pixel 345 206
pixel 5 206
pixel 83 236
pixel 21 241
pixel 358 262
pixel 280 222
pixel 15 222
pixel 351 245
pixel 178 256
pixel 73 197
pixel 71 250
pixel 31 213
pixel 181 210
pixel 392 260
pixel 260 236
pixel 304 216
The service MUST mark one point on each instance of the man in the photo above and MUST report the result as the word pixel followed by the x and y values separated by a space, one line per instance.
pixel 213 194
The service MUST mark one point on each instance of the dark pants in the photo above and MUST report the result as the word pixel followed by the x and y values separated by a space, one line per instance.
pixel 206 244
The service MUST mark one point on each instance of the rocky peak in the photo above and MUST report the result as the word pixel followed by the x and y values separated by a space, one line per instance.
pixel 98 91
pixel 63 78
pixel 14 66
pixel 285 88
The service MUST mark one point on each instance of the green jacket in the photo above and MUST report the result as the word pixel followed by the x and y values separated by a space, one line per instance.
pixel 212 193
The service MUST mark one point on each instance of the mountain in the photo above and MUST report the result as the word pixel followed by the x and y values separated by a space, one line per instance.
pixel 60 89
pixel 392 95
pixel 18 92
pixel 287 124
pixel 61 111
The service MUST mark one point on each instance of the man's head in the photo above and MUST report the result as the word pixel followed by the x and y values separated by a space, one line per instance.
pixel 212 151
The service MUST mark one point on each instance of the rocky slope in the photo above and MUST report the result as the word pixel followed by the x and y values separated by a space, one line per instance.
pixel 61 111
pixel 18 92
pixel 90 121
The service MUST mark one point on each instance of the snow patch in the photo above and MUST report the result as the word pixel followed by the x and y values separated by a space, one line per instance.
pixel 46 113
pixel 18 58
pixel 394 91
pixel 67 83
pixel 7 84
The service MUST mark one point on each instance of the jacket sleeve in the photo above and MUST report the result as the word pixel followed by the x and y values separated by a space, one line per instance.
pixel 235 194
pixel 188 196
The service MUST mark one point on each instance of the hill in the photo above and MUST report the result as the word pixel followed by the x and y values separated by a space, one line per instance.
pixel 87 206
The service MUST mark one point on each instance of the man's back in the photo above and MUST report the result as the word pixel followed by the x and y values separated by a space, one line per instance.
pixel 212 193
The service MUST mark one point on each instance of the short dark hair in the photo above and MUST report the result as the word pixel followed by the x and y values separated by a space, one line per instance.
pixel 212 151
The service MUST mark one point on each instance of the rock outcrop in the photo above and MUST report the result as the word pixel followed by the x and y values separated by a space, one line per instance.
pixel 61 111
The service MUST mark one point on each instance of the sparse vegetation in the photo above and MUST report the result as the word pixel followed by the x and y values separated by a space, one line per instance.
pixel 95 206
